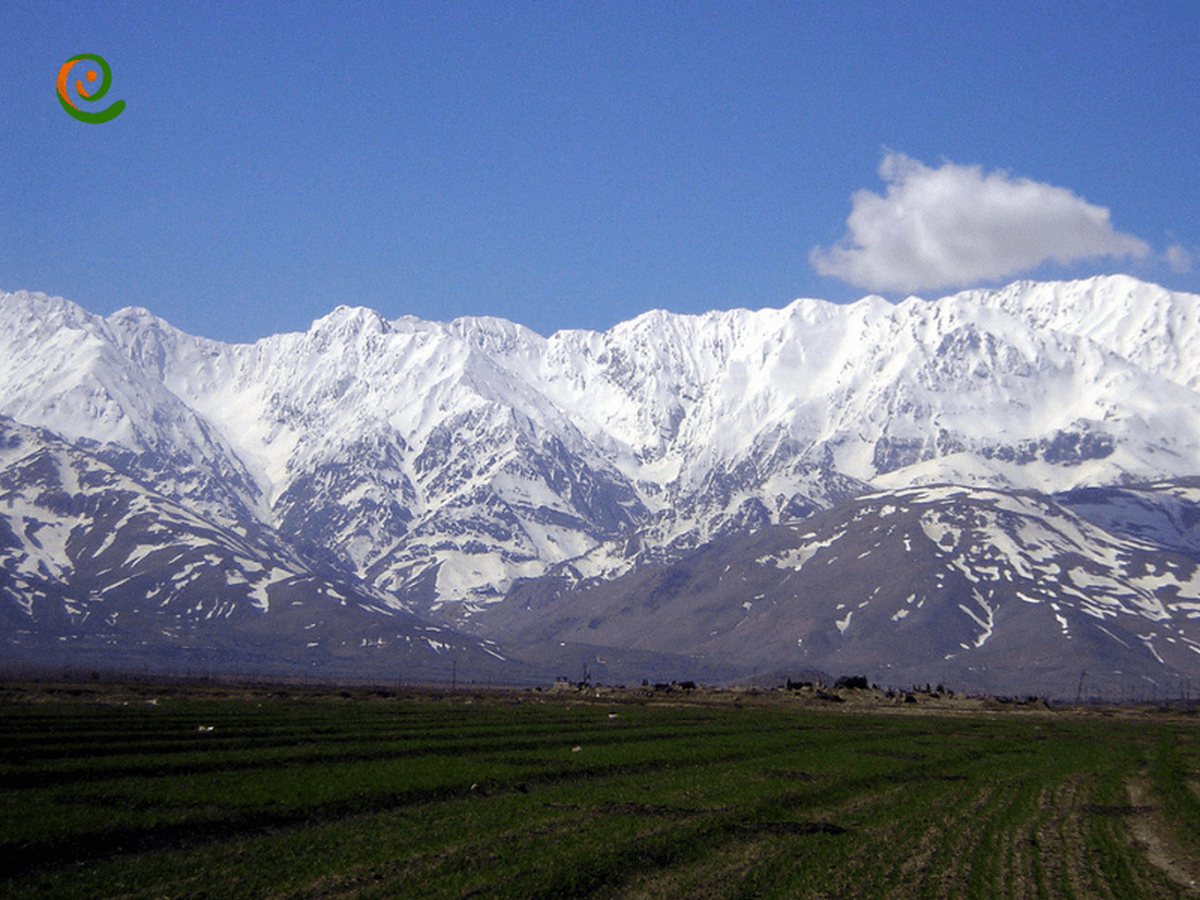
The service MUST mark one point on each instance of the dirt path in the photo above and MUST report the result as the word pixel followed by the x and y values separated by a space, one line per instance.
pixel 1146 827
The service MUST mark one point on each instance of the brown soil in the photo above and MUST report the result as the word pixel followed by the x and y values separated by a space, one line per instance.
pixel 1148 829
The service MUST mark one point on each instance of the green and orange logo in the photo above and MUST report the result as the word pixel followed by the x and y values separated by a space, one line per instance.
pixel 91 93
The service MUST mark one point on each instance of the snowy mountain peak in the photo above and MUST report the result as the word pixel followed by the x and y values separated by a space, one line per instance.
pixel 347 323
pixel 136 315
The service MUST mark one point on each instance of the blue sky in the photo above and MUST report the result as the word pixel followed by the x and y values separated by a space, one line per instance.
pixel 574 164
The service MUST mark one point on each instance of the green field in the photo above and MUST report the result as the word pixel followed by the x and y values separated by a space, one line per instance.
pixel 211 791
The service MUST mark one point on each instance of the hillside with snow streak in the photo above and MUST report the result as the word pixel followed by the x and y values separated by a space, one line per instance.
pixel 1004 591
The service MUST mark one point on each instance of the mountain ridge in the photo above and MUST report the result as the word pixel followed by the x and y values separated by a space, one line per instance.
pixel 439 466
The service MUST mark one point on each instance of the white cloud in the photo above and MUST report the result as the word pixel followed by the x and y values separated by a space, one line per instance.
pixel 1179 259
pixel 955 226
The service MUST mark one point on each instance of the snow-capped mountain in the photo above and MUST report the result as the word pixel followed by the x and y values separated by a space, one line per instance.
pixel 98 570
pixel 433 466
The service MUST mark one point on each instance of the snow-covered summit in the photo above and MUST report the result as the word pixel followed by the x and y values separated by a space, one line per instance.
pixel 445 460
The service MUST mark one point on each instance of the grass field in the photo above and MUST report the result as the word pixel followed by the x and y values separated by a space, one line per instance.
pixel 210 791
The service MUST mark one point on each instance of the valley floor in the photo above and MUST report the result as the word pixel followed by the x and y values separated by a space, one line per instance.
pixel 149 790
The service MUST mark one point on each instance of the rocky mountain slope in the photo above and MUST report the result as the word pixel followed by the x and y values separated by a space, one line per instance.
pixel 98 571
pixel 1005 591
pixel 432 469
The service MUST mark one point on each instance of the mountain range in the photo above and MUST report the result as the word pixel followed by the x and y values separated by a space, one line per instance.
pixel 995 490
